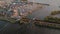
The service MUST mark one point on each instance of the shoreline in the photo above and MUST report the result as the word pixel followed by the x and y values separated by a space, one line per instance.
pixel 35 22
pixel 48 25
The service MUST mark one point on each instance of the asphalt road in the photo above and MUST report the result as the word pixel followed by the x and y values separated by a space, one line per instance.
pixel 30 28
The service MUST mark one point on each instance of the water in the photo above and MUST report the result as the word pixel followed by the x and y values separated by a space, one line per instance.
pixel 43 12
pixel 8 28
pixel 25 29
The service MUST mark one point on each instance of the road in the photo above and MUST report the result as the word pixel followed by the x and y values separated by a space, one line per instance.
pixel 26 29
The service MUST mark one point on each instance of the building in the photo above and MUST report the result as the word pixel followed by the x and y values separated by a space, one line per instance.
pixel 17 0
pixel 3 4
pixel 24 0
pixel 8 1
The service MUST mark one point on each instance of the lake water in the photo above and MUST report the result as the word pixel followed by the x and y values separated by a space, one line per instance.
pixel 8 28
pixel 43 12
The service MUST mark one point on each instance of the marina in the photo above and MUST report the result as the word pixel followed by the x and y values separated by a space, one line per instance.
pixel 27 17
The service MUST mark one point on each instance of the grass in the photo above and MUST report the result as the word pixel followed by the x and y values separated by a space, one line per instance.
pixel 7 19
pixel 53 26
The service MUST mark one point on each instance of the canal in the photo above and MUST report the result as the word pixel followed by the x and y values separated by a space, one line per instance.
pixel 8 28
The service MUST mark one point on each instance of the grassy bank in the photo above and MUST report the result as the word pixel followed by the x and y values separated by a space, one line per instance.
pixel 55 12
pixel 48 25
pixel 7 19
pixel 52 19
